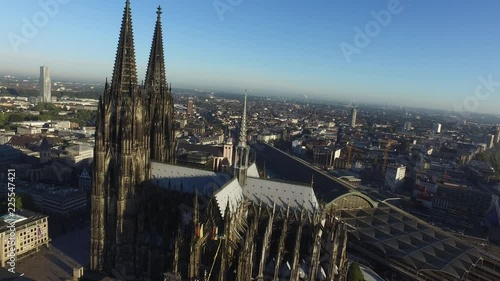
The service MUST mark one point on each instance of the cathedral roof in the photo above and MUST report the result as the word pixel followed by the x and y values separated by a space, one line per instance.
pixel 227 190
pixel 216 151
pixel 252 171
pixel 268 192
pixel 230 195
pixel 282 194
pixel 187 179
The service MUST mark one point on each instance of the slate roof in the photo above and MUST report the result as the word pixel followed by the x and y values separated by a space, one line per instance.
pixel 45 145
pixel 252 171
pixel 268 192
pixel 227 189
pixel 231 193
pixel 216 151
pixel 171 176
pixel 280 193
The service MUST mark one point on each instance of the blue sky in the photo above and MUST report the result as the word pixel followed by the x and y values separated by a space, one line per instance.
pixel 429 54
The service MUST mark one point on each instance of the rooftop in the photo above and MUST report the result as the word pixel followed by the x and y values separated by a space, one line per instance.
pixel 21 217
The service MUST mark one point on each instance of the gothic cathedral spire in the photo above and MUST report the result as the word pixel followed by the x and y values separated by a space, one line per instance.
pixel 242 150
pixel 125 71
pixel 161 111
pixel 243 129
pixel 155 75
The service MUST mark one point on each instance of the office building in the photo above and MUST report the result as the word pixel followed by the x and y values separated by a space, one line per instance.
pixel 44 85
pixel 31 233
pixel 354 115
pixel 78 153
pixel 325 156
pixel 490 141
pixel 436 127
pixel 190 110
pixel 394 177
pixel 407 126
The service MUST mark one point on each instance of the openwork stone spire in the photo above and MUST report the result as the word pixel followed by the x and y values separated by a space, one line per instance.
pixel 242 150
pixel 161 110
pixel 155 75
pixel 243 129
pixel 125 71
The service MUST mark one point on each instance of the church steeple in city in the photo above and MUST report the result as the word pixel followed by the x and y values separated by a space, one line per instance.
pixel 125 70
pixel 242 150
pixel 160 100
pixel 243 129
pixel 155 75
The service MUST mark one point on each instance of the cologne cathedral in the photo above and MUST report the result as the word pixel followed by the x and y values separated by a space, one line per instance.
pixel 154 220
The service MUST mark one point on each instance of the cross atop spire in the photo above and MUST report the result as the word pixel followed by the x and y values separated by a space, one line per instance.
pixel 155 74
pixel 243 129
pixel 125 72
pixel 159 11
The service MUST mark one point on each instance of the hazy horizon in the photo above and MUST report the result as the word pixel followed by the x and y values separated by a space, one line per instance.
pixel 277 49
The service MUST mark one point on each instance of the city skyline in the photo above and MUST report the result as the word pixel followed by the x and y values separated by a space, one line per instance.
pixel 409 62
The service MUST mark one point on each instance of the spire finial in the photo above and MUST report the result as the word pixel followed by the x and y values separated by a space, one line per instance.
pixel 312 180
pixel 158 12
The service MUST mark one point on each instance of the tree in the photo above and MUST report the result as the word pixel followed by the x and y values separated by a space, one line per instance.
pixel 4 204
pixel 15 118
pixel 27 202
pixel 19 202
pixel 3 118
pixel 482 157
pixel 31 118
pixel 41 106
pixel 407 145
pixel 354 273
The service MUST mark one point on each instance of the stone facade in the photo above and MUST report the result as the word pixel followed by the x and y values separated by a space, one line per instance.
pixel 134 124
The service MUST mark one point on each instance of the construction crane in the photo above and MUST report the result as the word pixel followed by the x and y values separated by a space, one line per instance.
pixel 386 153
pixel 350 148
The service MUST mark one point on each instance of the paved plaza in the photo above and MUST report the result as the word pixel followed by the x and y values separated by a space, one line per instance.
pixel 57 262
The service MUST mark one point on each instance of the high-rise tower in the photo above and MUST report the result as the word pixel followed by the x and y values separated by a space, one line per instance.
pixel 45 85
pixel 190 110
pixel 496 133
pixel 242 150
pixel 354 115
